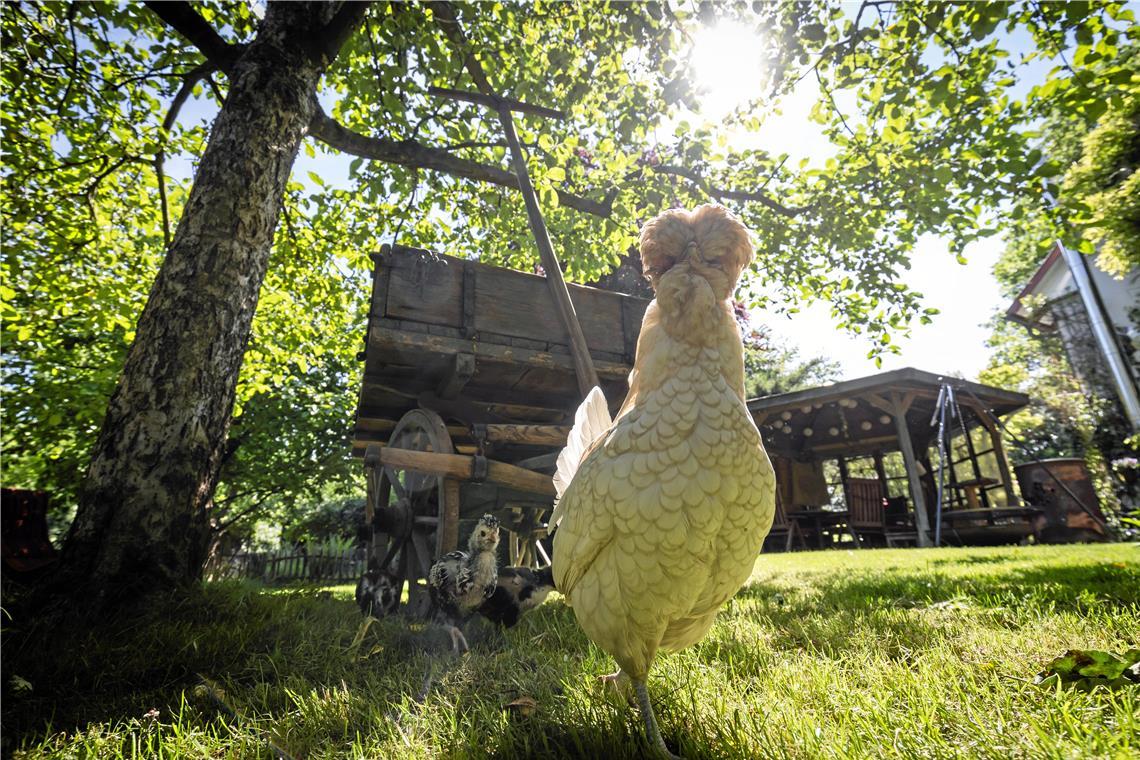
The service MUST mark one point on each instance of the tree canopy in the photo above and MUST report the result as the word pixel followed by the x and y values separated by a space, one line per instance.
pixel 930 132
pixel 1092 212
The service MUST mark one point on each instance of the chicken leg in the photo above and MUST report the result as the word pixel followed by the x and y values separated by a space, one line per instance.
pixel 652 732
pixel 458 640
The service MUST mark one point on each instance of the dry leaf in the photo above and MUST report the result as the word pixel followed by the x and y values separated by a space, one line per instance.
pixel 524 706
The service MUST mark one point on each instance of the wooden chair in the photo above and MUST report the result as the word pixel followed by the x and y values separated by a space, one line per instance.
pixel 865 505
pixel 900 528
pixel 873 515
pixel 784 528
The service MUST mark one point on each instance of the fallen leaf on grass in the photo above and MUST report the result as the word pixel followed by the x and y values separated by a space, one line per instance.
pixel 1087 668
pixel 361 632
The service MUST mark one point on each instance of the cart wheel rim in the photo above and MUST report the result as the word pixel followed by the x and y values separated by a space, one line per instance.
pixel 397 498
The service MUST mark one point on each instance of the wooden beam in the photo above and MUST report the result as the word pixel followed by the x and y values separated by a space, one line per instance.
pixel 463 468
pixel 904 405
pixel 467 329
pixel 458 375
pixel 977 468
pixel 881 473
pixel 380 427
pixel 583 364
pixel 877 401
pixel 471 410
pixel 496 102
pixel 844 476
pixel 382 338
pixel 922 524
pixel 864 444
pixel 999 452
pixel 537 435
pixel 374 425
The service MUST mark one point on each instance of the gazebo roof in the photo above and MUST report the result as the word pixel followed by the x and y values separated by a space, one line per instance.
pixel 856 416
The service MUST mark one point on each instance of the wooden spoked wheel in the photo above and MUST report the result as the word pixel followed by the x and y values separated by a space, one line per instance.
pixel 526 531
pixel 414 516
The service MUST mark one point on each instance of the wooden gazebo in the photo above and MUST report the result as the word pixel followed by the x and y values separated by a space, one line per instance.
pixel 882 425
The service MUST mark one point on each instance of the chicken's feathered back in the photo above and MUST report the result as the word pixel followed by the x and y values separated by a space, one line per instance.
pixel 665 516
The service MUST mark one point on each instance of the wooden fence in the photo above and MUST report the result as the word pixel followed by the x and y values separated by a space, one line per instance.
pixel 290 564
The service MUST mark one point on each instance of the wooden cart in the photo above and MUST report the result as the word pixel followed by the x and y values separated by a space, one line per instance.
pixel 467 397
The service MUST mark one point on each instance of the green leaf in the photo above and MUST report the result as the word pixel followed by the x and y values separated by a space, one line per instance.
pixel 1089 668
pixel 814 32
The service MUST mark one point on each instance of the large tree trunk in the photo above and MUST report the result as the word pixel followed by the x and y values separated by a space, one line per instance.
pixel 142 519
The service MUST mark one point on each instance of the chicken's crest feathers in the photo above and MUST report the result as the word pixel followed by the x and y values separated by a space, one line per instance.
pixel 591 422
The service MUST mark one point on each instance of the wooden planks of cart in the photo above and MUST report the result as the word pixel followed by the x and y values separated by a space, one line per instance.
pixel 469 391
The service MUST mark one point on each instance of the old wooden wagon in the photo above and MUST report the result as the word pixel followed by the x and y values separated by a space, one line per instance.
pixel 469 389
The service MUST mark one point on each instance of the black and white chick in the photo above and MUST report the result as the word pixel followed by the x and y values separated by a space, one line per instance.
pixel 377 592
pixel 460 582
pixel 519 590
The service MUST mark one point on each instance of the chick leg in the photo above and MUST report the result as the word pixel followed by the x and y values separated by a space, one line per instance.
pixel 652 732
pixel 458 640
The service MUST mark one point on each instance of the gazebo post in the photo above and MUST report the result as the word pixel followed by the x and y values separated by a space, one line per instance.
pixel 920 519
pixel 999 452
pixel 843 477
pixel 881 473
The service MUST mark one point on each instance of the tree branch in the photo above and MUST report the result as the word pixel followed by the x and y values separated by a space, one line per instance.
pixel 230 520
pixel 328 42
pixel 444 14
pixel 834 106
pixel 414 154
pixel 182 18
pixel 160 177
pixel 736 195
pixel 193 77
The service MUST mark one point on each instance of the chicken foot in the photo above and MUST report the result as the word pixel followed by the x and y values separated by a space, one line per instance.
pixel 617 684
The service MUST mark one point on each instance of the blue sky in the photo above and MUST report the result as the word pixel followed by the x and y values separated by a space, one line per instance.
pixel 967 295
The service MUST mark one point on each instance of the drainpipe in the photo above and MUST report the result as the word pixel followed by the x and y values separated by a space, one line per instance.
pixel 1105 336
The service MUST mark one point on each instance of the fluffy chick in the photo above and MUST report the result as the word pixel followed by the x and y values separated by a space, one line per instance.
pixel 664 516
pixel 519 590
pixel 460 582
pixel 378 592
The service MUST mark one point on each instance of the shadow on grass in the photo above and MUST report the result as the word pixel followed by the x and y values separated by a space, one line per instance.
pixel 278 652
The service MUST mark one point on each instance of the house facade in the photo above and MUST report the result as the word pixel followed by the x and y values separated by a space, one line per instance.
pixel 1097 318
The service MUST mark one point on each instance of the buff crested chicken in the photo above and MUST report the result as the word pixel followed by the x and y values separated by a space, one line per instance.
pixel 662 512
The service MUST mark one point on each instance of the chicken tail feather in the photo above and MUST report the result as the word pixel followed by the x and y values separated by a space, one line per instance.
pixel 591 422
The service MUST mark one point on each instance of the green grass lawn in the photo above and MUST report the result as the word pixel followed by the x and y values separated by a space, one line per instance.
pixel 884 653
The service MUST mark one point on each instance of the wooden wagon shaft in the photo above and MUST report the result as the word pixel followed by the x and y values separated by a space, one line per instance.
pixel 583 364
pixel 462 467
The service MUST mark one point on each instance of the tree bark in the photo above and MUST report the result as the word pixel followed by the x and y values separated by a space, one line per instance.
pixel 142 520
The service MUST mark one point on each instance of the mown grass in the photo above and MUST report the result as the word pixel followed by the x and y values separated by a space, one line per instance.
pixel 887 653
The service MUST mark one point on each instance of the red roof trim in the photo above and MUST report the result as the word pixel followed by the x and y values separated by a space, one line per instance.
pixel 1013 311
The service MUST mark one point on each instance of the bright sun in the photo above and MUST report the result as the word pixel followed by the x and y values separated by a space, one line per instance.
pixel 727 61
